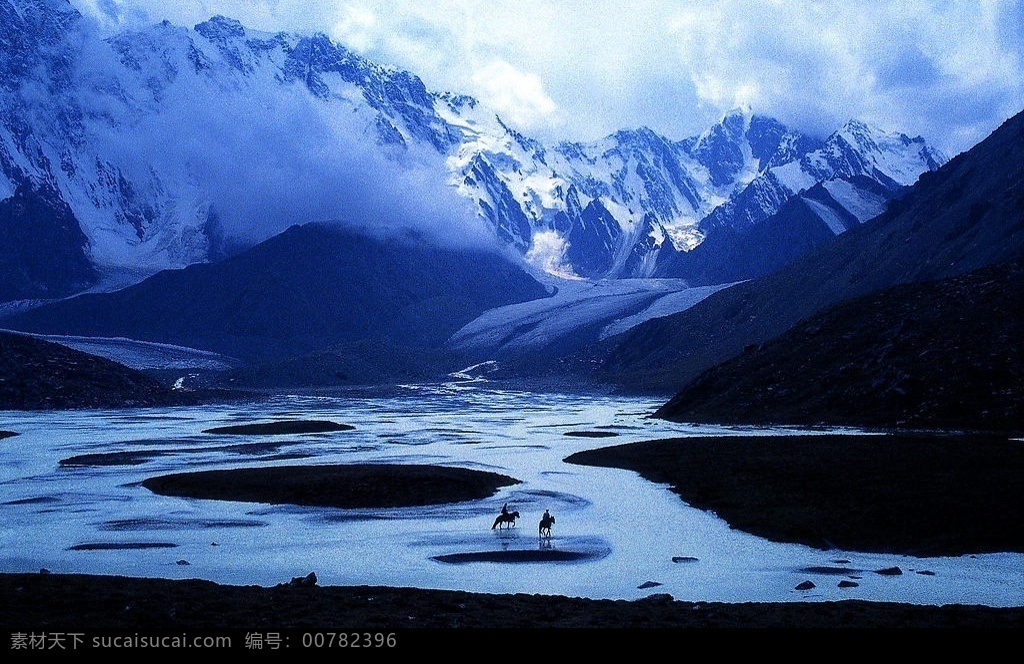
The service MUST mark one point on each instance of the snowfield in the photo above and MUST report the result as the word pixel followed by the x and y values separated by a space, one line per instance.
pixel 143 355
pixel 578 312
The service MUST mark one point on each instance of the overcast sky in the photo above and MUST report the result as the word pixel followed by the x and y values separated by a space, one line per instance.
pixel 559 69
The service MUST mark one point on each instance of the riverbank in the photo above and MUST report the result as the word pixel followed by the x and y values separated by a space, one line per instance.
pixel 889 475
pixel 55 602
pixel 914 494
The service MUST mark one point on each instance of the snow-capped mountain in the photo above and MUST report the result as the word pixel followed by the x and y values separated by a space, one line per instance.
pixel 891 160
pixel 607 208
pixel 801 201
pixel 176 145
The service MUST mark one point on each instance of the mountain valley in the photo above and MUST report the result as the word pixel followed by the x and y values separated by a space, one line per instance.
pixel 633 263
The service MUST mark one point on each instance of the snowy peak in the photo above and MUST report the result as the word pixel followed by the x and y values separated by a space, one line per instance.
pixel 805 192
pixel 862 149
pixel 406 109
pixel 118 133
pixel 743 145
pixel 723 149
pixel 857 150
pixel 538 195
pixel 30 31
pixel 773 144
pixel 44 20
pixel 220 29
pixel 765 136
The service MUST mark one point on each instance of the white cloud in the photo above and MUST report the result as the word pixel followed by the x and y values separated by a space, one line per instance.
pixel 936 68
pixel 547 253
pixel 357 28
pixel 947 69
pixel 515 95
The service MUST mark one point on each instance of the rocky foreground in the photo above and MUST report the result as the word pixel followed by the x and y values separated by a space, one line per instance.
pixel 65 602
pixel 40 375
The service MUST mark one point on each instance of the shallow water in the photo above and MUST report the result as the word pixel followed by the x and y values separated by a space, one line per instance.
pixel 614 531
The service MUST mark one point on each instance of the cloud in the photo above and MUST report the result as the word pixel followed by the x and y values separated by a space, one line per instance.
pixel 516 96
pixel 913 65
pixel 357 28
pixel 548 253
pixel 910 66
pixel 269 157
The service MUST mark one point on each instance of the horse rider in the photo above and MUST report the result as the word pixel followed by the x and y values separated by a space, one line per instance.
pixel 545 524
pixel 505 517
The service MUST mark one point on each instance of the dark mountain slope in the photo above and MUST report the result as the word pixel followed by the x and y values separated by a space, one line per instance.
pixel 42 246
pixel 966 215
pixel 364 362
pixel 736 253
pixel 731 254
pixel 311 287
pixel 37 375
pixel 939 354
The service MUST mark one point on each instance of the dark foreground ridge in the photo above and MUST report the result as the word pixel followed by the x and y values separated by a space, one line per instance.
pixel 345 486
pixel 41 375
pixel 282 427
pixel 75 602
pixel 939 355
pixel 916 495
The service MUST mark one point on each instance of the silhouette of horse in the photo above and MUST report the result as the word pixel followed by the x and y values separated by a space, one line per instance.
pixel 545 526
pixel 503 519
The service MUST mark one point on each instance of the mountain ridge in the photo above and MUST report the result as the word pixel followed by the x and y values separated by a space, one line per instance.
pixel 964 216
pixel 935 354
pixel 620 206
pixel 309 288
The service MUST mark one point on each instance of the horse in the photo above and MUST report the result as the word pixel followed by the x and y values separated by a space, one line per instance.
pixel 503 519
pixel 544 530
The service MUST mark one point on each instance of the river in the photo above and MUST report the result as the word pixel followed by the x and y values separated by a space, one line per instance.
pixel 629 529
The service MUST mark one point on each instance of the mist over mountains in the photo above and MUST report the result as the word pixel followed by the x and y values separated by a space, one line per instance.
pixel 309 288
pixel 175 145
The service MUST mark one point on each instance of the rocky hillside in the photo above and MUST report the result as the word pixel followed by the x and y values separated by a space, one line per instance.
pixel 310 288
pixel 941 354
pixel 39 375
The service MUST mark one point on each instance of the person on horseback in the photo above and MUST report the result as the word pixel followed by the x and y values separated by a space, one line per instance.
pixel 545 524
pixel 505 517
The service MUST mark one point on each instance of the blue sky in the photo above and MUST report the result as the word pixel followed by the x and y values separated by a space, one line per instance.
pixel 560 69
